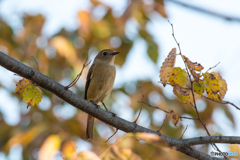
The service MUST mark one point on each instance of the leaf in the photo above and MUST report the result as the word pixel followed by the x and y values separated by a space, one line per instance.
pixel 86 27
pixel 182 93
pixel 159 7
pixel 49 147
pixel 64 48
pixel 32 95
pixel 193 67
pixel 69 151
pixel 148 137
pixel 179 76
pixel 88 155
pixel 153 51
pixel 21 85
pixel 167 67
pixel 174 117
pixel 199 87
pixel 216 86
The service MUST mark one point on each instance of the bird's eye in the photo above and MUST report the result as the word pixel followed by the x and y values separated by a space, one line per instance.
pixel 104 53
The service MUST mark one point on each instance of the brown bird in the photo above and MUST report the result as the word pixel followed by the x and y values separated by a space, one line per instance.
pixel 100 80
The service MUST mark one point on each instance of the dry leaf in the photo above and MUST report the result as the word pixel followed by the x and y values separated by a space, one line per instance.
pixel 182 93
pixel 193 67
pixel 174 117
pixel 167 67
pixel 21 85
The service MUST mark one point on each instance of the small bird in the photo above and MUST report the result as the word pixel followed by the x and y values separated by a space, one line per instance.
pixel 100 80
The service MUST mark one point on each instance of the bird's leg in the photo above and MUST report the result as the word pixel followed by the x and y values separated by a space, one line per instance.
pixel 104 106
pixel 95 104
pixel 113 114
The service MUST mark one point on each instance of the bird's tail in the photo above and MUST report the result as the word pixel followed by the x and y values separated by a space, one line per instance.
pixel 89 130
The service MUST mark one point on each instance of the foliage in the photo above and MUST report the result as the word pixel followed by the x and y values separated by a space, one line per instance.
pixel 41 132
pixel 32 95
pixel 213 83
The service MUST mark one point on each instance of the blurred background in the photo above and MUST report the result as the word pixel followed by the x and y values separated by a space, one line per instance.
pixel 58 34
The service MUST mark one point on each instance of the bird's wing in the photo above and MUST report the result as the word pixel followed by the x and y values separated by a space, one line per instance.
pixel 89 77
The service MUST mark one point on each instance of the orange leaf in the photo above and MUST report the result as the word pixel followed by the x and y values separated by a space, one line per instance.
pixel 69 151
pixel 174 117
pixel 85 28
pixel 193 67
pixel 167 67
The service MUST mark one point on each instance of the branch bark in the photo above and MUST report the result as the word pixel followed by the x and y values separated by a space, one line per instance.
pixel 182 145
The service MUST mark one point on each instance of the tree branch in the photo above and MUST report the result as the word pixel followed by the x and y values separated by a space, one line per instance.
pixel 209 12
pixel 47 83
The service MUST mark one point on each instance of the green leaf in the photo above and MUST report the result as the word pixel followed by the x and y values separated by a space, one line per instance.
pixel 153 51
pixel 199 87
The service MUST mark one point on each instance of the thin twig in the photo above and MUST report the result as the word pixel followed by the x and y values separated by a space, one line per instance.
pixel 162 123
pixel 193 96
pixel 111 135
pixel 188 118
pixel 222 102
pixel 166 111
pixel 36 63
pixel 141 106
pixel 213 66
pixel 202 10
pixel 153 107
pixel 85 64
pixel 183 132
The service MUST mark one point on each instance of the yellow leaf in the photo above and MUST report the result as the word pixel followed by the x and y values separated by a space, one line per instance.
pixel 174 117
pixel 64 48
pixel 32 95
pixel 69 151
pixel 49 147
pixel 88 155
pixel 193 67
pixel 199 87
pixel 182 93
pixel 216 86
pixel 167 67
pixel 179 76
pixel 21 85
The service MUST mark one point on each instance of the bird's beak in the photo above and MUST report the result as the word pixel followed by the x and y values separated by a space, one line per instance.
pixel 114 53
